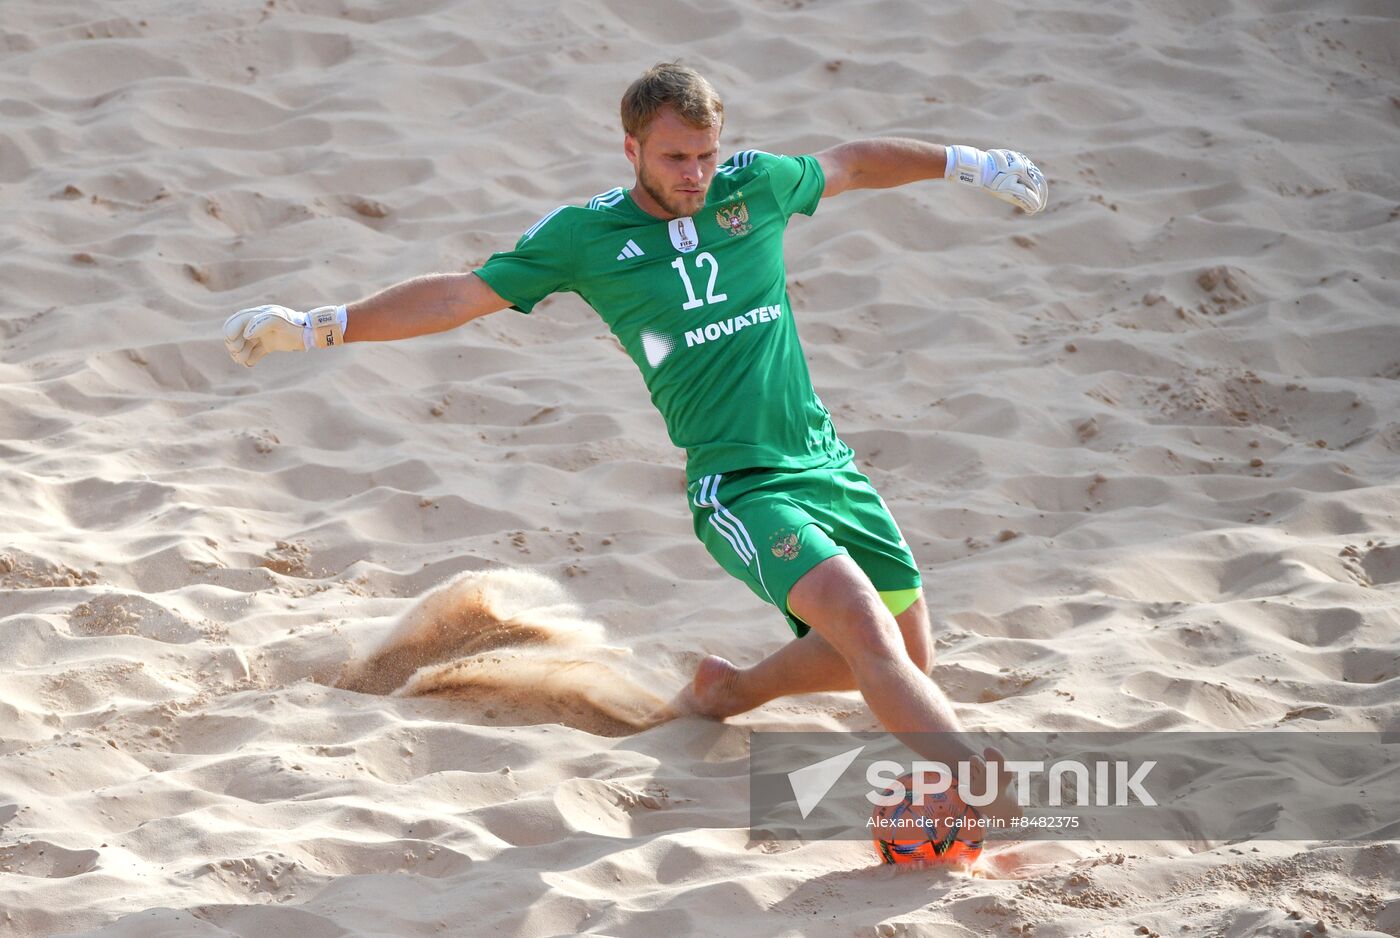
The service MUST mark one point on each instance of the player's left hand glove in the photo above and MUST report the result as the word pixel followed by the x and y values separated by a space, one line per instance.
pixel 249 334
pixel 1006 174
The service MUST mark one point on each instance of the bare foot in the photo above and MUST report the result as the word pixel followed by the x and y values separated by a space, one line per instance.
pixel 712 692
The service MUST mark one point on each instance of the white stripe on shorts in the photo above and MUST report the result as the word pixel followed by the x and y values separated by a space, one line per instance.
pixel 748 554
pixel 705 499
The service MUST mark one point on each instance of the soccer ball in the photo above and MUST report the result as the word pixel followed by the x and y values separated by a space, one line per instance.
pixel 942 830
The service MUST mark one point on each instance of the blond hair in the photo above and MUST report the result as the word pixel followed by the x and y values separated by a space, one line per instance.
pixel 670 83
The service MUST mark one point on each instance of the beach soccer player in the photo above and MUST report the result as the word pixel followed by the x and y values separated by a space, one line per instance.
pixel 686 268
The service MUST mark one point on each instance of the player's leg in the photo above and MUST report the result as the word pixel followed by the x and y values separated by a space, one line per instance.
pixel 812 515
pixel 917 629
pixel 839 603
pixel 808 665
pixel 837 600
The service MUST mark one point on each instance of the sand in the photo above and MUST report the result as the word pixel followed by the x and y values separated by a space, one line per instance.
pixel 1144 445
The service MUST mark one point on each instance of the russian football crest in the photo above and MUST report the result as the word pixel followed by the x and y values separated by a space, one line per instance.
pixel 786 544
pixel 734 219
pixel 683 234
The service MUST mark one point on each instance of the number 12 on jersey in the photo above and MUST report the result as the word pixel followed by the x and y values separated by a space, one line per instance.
pixel 701 259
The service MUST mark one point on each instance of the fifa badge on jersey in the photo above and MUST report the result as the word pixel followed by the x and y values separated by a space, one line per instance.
pixel 785 545
pixel 684 234
pixel 734 219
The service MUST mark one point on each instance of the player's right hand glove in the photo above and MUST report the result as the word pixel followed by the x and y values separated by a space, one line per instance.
pixel 1006 174
pixel 249 334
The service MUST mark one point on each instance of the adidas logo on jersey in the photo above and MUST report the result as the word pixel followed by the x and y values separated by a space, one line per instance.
pixel 630 250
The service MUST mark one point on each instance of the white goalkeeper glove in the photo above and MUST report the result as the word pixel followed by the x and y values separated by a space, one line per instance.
pixel 1006 174
pixel 250 334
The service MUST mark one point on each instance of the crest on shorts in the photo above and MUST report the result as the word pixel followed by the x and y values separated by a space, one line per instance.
pixel 786 546
pixel 734 219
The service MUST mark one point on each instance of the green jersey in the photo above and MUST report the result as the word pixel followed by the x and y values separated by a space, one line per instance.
pixel 700 304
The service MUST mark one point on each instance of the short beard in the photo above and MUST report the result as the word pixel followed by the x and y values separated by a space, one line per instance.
pixel 660 197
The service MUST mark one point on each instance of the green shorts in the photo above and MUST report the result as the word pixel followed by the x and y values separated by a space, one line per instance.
pixel 768 527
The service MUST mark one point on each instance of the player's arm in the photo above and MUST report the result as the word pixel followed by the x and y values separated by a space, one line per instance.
pixel 433 303
pixel 884 162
